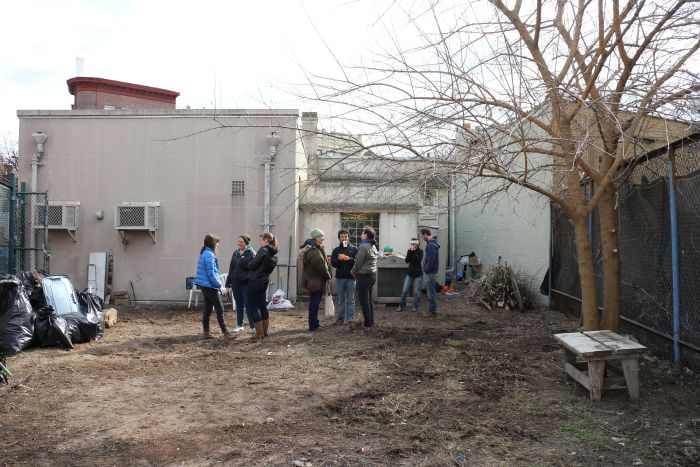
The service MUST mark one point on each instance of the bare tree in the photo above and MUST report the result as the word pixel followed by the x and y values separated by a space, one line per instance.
pixel 542 96
pixel 9 151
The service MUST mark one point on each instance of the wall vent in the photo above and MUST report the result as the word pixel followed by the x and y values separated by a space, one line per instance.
pixel 238 187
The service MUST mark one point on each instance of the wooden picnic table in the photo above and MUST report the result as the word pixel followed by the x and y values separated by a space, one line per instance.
pixel 586 354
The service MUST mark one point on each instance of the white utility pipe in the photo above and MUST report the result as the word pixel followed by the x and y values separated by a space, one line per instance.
pixel 453 228
pixel 272 140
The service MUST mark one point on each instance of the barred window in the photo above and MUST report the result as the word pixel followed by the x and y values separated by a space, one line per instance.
pixel 354 223
pixel 238 187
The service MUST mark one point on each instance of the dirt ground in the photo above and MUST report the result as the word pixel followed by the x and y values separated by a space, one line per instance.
pixel 470 387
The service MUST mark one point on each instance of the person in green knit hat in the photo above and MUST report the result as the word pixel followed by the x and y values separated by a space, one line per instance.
pixel 317 273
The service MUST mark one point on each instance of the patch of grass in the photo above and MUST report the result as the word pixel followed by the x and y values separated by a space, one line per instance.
pixel 582 433
pixel 537 410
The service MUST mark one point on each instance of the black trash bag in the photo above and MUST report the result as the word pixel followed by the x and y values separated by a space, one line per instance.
pixel 89 324
pixel 34 291
pixel 52 330
pixel 16 326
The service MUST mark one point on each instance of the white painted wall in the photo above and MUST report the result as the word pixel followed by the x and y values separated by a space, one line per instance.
pixel 513 225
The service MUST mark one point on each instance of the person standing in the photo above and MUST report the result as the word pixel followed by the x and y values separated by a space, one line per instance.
pixel 208 281
pixel 414 277
pixel 365 271
pixel 317 272
pixel 260 268
pixel 343 259
pixel 237 280
pixel 431 264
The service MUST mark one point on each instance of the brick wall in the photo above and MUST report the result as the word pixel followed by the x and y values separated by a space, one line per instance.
pixel 98 100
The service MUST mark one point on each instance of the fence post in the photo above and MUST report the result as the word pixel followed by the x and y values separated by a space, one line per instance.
pixel 675 265
pixel 11 258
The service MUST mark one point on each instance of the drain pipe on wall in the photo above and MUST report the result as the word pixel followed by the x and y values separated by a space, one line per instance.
pixel 272 140
pixel 453 229
pixel 39 138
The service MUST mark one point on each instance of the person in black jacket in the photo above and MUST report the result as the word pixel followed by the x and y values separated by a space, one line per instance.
pixel 343 259
pixel 414 257
pixel 260 268
pixel 237 280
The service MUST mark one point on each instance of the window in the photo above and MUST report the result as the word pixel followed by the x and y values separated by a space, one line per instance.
pixel 355 222
pixel 238 187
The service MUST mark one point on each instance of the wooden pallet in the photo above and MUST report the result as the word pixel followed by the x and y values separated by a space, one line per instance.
pixel 587 353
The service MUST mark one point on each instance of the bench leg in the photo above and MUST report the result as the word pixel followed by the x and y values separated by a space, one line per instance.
pixel 630 368
pixel 596 371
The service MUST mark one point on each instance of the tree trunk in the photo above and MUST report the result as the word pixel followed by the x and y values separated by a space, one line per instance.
pixel 589 308
pixel 611 261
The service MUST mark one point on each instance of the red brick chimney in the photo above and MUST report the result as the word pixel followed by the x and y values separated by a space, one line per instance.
pixel 99 93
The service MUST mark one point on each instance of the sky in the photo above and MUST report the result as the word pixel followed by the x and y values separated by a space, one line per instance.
pixel 216 54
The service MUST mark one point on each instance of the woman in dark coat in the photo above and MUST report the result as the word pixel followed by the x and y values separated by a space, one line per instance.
pixel 260 269
pixel 237 280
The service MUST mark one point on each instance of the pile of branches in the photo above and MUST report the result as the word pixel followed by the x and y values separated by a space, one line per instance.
pixel 503 288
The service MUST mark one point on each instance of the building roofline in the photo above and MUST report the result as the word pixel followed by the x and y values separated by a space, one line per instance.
pixel 154 113
pixel 82 83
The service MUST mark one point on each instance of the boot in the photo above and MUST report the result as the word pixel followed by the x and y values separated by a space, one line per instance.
pixel 207 335
pixel 258 331
pixel 266 325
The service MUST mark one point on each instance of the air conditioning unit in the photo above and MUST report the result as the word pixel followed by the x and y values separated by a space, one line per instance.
pixel 136 216
pixel 62 215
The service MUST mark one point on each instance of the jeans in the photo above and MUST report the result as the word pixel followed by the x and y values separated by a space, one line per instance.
pixel 257 300
pixel 346 299
pixel 416 282
pixel 314 303
pixel 365 283
pixel 432 293
pixel 212 299
pixel 240 296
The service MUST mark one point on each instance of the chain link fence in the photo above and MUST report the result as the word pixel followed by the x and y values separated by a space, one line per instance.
pixel 645 246
pixel 5 212
pixel 31 237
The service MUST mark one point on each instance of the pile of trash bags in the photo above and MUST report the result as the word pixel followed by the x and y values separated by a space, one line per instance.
pixel 46 312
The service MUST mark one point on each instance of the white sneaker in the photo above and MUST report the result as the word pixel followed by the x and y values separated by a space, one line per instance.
pixel 238 329
pixel 251 330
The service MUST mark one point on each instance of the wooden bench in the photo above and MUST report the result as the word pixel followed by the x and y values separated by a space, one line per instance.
pixel 586 354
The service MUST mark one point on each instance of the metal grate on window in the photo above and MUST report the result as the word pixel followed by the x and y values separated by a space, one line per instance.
pixel 55 215
pixel 238 187
pixel 132 216
pixel 354 223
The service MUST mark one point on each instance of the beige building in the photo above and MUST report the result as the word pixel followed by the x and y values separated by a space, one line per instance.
pixel 348 187
pixel 149 184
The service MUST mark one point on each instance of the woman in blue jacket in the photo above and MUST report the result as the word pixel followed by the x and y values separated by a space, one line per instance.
pixel 209 282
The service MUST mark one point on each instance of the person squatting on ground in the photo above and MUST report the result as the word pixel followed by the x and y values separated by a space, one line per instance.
pixel 208 281
pixel 260 269
pixel 431 264
pixel 365 271
pixel 343 259
pixel 414 277
pixel 317 273
pixel 237 281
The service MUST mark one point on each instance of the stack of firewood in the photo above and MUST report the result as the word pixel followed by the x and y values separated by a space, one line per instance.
pixel 499 288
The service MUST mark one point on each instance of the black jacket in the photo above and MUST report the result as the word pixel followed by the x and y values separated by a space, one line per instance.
pixel 414 259
pixel 236 270
pixel 262 265
pixel 342 268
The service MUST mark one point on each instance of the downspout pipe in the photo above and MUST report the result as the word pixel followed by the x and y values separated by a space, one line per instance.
pixel 272 140
pixel 452 263
pixel 675 263
pixel 39 138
